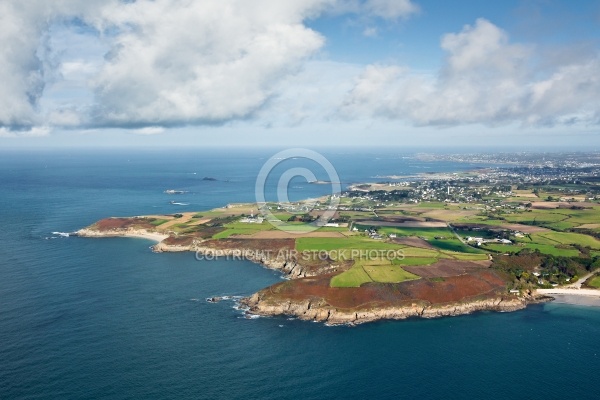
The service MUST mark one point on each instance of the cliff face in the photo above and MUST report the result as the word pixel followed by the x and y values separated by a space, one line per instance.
pixel 290 267
pixel 121 232
pixel 318 310
pixel 171 248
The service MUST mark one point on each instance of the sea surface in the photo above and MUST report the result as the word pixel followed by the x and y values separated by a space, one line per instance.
pixel 109 319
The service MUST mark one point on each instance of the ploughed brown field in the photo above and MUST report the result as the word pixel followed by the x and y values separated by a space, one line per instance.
pixel 407 224
pixel 446 268
pixel 546 205
pixel 108 224
pixel 414 242
pixel 474 285
pixel 270 245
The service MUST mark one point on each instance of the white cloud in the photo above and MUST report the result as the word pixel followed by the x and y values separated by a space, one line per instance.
pixel 309 97
pixel 485 79
pixel 149 130
pixel 77 69
pixel 391 9
pixel 193 62
pixel 24 69
pixel 180 62
pixel 36 131
pixel 20 69
pixel 171 61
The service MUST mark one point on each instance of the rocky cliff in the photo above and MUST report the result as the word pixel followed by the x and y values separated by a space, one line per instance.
pixel 318 310
pixel 290 267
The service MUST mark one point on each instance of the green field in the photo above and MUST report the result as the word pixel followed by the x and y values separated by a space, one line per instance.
pixel 453 245
pixel 503 248
pixel 425 233
pixel 352 242
pixel 378 271
pixel 465 256
pixel 558 219
pixel 554 251
pixel 419 252
pixel 554 238
pixel 543 248
pixel 481 220
pixel 354 277
pixel 159 222
pixel 240 228
pixel 414 261
pixel 388 273
pixel 594 282
pixel 432 204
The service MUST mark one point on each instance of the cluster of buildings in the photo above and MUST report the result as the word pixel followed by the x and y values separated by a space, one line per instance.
pixel 252 219
pixel 479 241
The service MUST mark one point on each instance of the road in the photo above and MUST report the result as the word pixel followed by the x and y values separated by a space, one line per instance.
pixel 577 285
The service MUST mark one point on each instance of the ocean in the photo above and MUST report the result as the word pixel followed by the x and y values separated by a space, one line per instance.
pixel 107 318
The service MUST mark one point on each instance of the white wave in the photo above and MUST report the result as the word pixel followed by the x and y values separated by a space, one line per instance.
pixel 62 234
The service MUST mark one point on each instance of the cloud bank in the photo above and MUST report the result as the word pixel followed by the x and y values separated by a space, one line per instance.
pixel 181 62
pixel 484 79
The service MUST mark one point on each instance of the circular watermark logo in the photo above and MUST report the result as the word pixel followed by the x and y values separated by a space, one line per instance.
pixel 323 212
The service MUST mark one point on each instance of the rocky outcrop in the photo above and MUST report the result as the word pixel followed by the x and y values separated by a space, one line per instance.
pixel 171 248
pixel 318 310
pixel 290 267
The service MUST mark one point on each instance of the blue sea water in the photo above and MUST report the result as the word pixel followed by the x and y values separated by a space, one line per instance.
pixel 107 318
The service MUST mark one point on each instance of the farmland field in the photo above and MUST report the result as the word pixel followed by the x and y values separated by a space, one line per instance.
pixel 594 282
pixel 378 271
pixel 353 242
pixel 554 238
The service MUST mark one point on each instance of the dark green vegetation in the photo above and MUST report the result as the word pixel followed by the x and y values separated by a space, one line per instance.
pixel 529 269
pixel 594 282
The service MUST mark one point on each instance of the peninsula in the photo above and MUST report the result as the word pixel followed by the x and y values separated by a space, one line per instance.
pixel 439 245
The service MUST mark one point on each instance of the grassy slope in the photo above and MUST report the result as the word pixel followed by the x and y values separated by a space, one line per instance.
pixel 594 282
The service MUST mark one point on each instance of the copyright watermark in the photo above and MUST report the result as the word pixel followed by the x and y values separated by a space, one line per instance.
pixel 305 255
pixel 325 212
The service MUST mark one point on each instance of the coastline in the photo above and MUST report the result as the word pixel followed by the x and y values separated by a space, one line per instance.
pixel 570 292
pixel 579 297
pixel 313 307
pixel 133 233
pixel 318 310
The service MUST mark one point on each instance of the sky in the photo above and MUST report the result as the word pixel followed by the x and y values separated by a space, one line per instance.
pixel 393 73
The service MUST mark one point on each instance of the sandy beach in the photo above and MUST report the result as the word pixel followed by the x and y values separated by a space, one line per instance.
pixel 583 297
pixel 157 237
pixel 571 292
pixel 138 233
